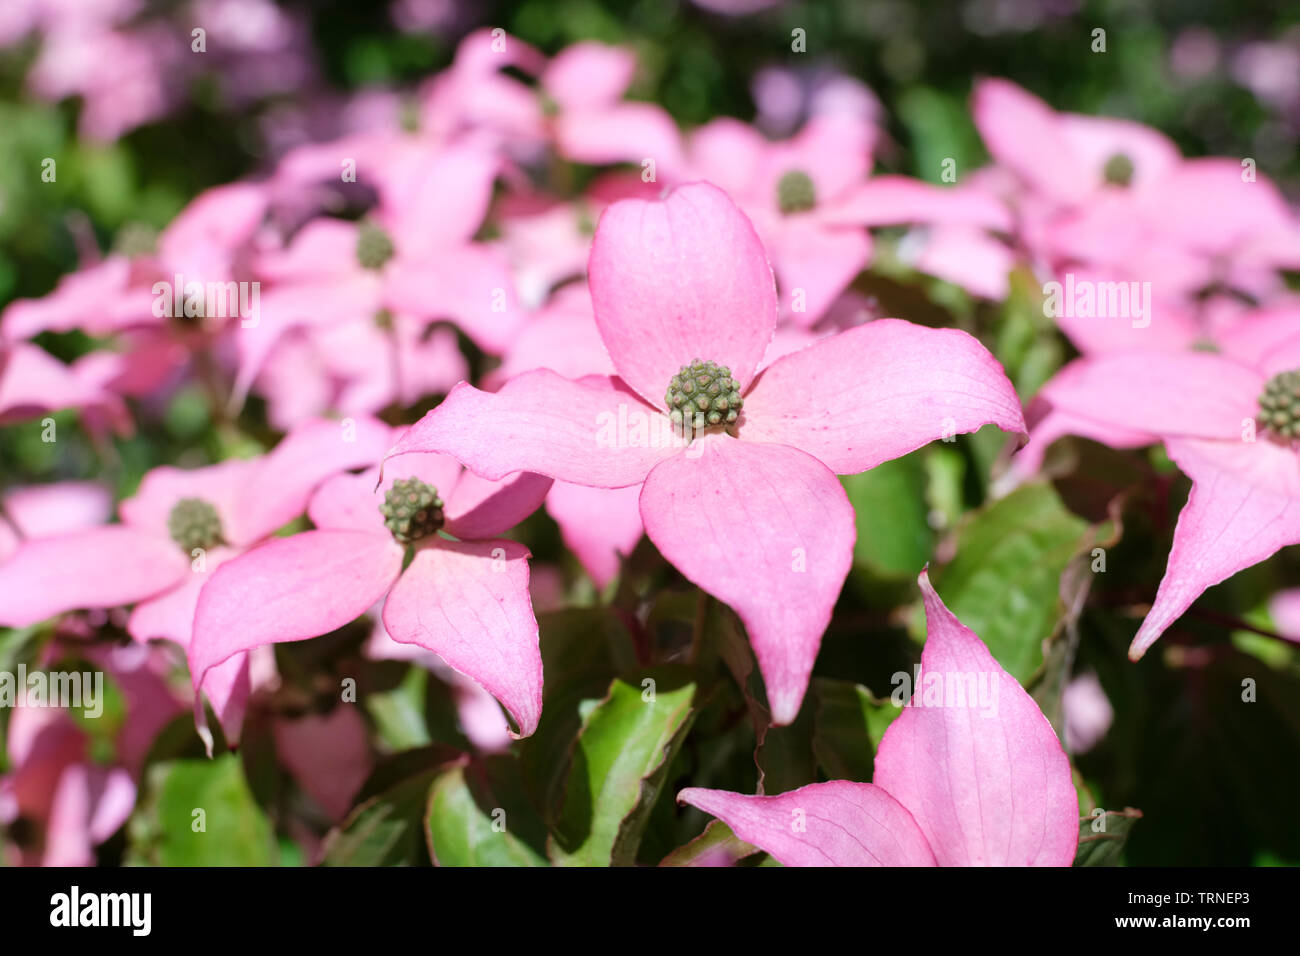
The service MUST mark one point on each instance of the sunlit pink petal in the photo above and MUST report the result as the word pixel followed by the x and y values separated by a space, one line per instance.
pixel 766 529
pixel 97 568
pixel 593 431
pixel 838 823
pixel 680 279
pixel 1191 394
pixel 468 603
pixel 982 773
pixel 290 589
pixel 1244 506
pixel 479 508
pixel 877 392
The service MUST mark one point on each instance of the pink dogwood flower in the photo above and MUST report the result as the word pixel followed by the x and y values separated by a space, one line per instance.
pixel 959 780
pixel 175 532
pixel 1231 421
pixel 398 265
pixel 750 510
pixel 464 599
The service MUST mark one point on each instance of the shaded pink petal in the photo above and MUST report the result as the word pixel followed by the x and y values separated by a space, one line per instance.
pixel 329 756
pixel 1168 325
pixel 40 511
pixel 202 240
pixel 838 823
pixel 978 765
pixel 967 257
pixel 594 431
pixel 290 589
pixel 589 74
pixel 227 686
pixel 98 568
pixel 562 337
pixel 468 603
pixel 1285 610
pixel 1087 712
pixel 877 392
pixel 769 531
pixel 901 200
pixel 1244 506
pixel 1227 210
pixel 679 279
pixel 815 264
pixel 88 806
pixel 729 154
pixel 469 284
pixel 450 186
pixel 623 132
pixel 1057 424
pixel 32 381
pixel 599 525
pixel 1191 394
pixel 479 508
pixel 1024 134
pixel 1261 334
pixel 98 299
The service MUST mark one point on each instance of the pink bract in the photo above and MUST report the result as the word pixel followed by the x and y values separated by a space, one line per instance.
pixel 754 514
pixel 961 782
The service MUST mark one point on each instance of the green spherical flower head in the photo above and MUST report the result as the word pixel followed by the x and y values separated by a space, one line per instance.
pixel 408 115
pixel 374 248
pixel 702 394
pixel 795 192
pixel 136 239
pixel 1118 170
pixel 412 510
pixel 193 523
pixel 1279 405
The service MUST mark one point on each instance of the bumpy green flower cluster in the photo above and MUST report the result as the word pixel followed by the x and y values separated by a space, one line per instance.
pixel 703 390
pixel 1279 405
pixel 1118 170
pixel 193 523
pixel 795 192
pixel 374 247
pixel 412 510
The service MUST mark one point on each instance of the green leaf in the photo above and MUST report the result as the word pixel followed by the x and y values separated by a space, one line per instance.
pixel 579 648
pixel 399 713
pixel 717 842
pixel 168 829
pixel 1098 847
pixel 1004 583
pixel 619 765
pixel 478 816
pixel 385 828
pixel 894 537
pixel 785 755
pixel 848 724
